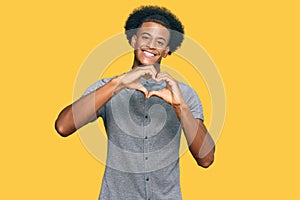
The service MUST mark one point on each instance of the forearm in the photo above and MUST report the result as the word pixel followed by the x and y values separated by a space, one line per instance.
pixel 199 140
pixel 85 109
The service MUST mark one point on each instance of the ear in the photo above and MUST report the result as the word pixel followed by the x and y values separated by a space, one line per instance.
pixel 166 51
pixel 133 41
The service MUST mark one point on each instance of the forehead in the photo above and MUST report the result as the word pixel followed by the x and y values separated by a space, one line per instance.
pixel 154 29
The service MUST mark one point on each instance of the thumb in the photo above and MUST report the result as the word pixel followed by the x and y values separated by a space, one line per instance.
pixel 143 90
pixel 153 93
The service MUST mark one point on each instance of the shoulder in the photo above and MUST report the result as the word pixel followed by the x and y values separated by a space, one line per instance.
pixel 101 82
pixel 191 98
pixel 186 90
pixel 96 85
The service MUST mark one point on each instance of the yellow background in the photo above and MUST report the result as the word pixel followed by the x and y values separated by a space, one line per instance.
pixel 255 45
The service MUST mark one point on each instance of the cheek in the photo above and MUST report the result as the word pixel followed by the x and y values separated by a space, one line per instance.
pixel 141 42
pixel 164 53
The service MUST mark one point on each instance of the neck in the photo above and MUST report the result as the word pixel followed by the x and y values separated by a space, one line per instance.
pixel 138 64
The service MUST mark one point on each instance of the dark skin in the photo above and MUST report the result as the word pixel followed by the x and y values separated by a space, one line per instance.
pixel 151 46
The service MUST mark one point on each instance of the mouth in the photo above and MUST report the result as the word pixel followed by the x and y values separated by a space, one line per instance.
pixel 148 54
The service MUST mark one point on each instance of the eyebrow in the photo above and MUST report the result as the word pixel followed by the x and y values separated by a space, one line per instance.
pixel 146 33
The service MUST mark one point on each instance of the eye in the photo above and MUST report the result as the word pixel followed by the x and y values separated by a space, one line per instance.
pixel 160 43
pixel 145 37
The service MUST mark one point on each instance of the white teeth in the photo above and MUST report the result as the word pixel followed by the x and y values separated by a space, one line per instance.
pixel 148 53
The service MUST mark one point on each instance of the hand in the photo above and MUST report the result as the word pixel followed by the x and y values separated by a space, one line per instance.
pixel 131 80
pixel 171 93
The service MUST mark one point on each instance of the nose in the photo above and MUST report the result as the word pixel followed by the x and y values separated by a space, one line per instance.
pixel 151 44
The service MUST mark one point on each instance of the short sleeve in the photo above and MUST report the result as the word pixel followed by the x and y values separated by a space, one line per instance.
pixel 94 87
pixel 192 99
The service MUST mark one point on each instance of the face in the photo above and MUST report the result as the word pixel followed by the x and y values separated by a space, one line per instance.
pixel 150 44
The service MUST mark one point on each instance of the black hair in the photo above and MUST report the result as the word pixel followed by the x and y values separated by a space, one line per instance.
pixel 159 15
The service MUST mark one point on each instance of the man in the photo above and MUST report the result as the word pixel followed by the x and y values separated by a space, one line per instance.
pixel 143 111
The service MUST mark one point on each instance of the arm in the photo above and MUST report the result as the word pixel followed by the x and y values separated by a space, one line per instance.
pixel 200 142
pixel 85 109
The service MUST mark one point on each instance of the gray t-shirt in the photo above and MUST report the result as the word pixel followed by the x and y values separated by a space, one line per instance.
pixel 143 143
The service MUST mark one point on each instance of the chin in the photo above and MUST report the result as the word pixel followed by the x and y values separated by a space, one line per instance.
pixel 149 62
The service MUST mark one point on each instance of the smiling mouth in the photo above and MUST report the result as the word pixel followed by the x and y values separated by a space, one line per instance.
pixel 148 54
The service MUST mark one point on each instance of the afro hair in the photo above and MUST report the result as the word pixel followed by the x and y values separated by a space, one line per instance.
pixel 159 15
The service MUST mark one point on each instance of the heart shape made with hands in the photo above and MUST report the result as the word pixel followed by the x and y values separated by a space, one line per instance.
pixel 153 87
pixel 160 89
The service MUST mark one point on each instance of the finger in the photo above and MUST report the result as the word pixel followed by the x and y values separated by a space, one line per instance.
pixel 148 72
pixel 161 75
pixel 165 77
pixel 143 90
pixel 163 94
pixel 152 69
pixel 159 93
pixel 153 93
pixel 147 76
